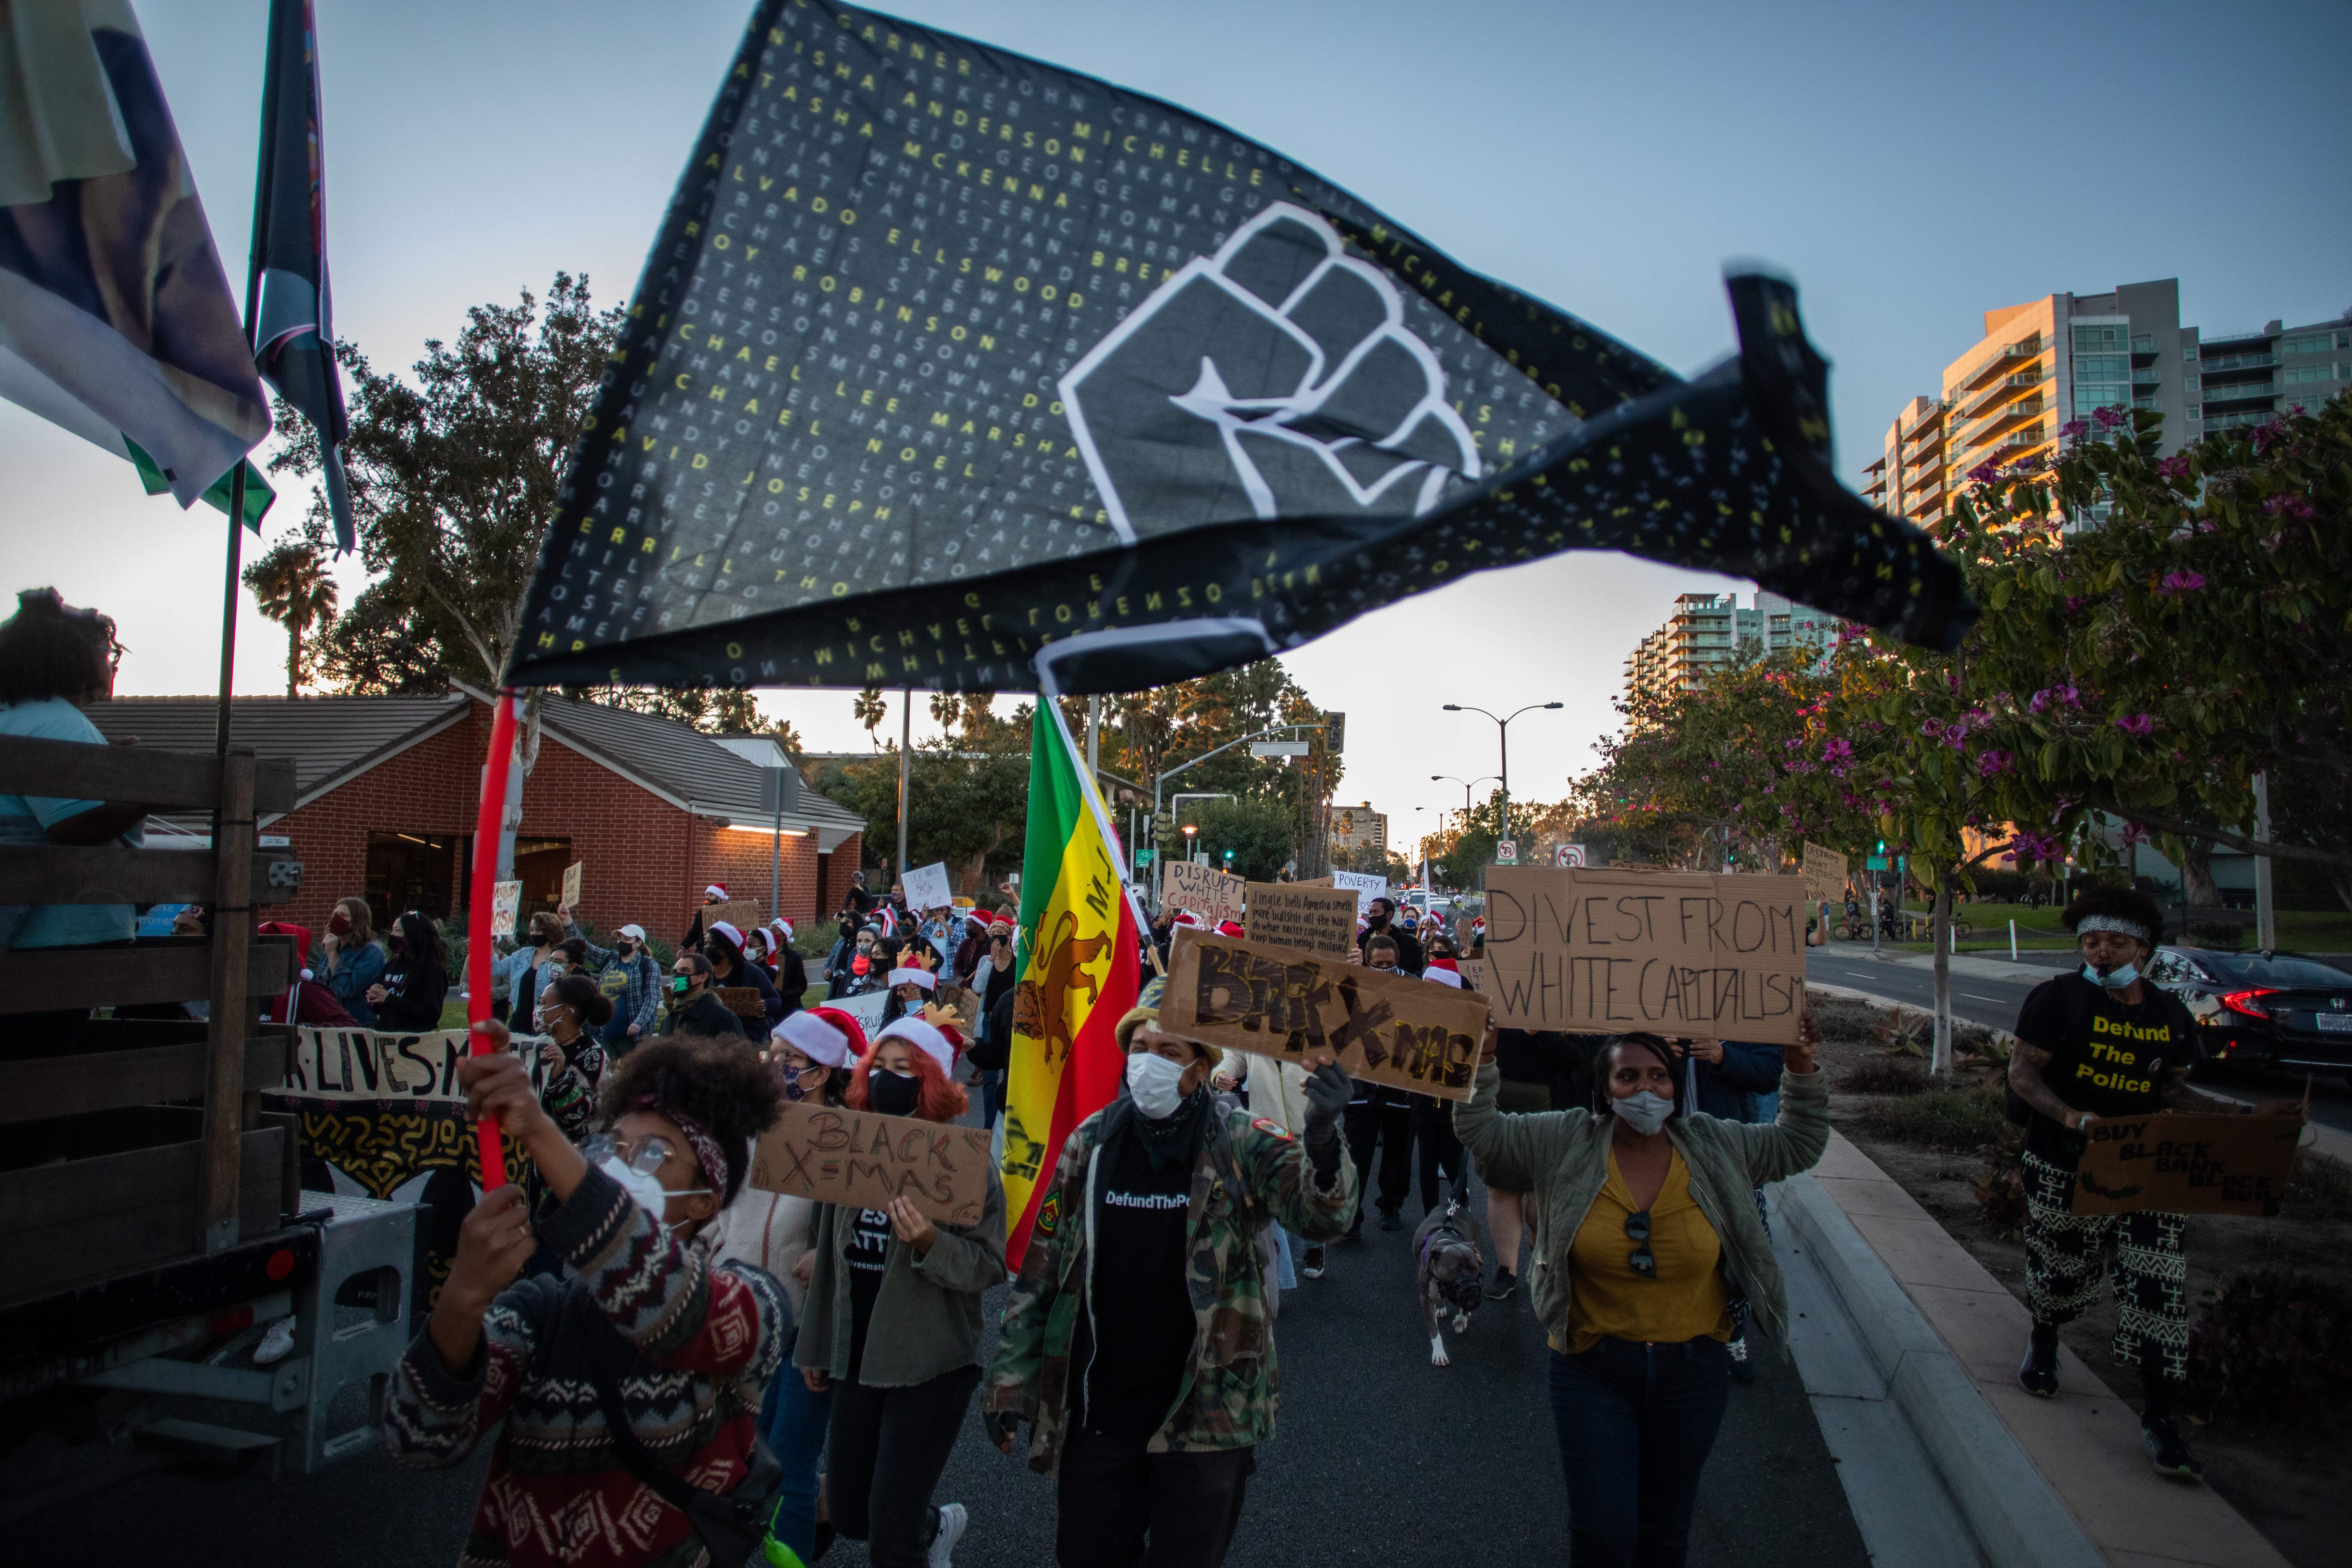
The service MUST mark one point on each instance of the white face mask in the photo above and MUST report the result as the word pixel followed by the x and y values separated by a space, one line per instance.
pixel 2119 978
pixel 1151 1081
pixel 645 1188
pixel 1644 1112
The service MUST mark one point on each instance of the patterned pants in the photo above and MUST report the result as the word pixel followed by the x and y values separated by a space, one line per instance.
pixel 2068 1257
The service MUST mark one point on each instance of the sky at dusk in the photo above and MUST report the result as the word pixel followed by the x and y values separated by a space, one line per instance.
pixel 1910 166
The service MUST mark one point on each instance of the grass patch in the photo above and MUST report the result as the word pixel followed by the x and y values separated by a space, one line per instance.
pixel 1959 1120
pixel 2272 1350
pixel 1884 1075
pixel 2320 1189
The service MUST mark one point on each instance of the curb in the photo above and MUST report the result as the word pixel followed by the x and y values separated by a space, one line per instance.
pixel 2016 1516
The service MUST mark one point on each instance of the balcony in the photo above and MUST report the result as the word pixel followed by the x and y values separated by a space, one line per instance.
pixel 2238 421
pixel 2232 391
pixel 2024 408
pixel 2001 389
pixel 2006 360
pixel 2017 443
pixel 2237 362
pixel 2146 375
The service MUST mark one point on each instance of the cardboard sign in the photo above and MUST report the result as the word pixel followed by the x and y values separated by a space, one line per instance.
pixel 927 887
pixel 866 1008
pixel 1365 886
pixel 572 884
pixel 1287 1004
pixel 743 914
pixel 2174 1163
pixel 369 1064
pixel 836 1155
pixel 1473 973
pixel 1824 875
pixel 505 903
pixel 744 1000
pixel 1197 886
pixel 1313 919
pixel 1686 953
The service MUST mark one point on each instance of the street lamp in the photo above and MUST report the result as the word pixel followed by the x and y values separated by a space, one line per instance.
pixel 1190 829
pixel 1503 725
pixel 1466 784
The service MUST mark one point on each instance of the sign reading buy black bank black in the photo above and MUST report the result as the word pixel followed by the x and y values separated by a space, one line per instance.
pixel 942 354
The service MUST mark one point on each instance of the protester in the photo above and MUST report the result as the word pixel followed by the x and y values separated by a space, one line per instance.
pixel 570 1007
pixel 790 972
pixel 1380 920
pixel 973 949
pixel 894 1323
pixel 1149 1247
pixel 521 970
pixel 911 986
pixel 693 1010
pixel 620 1390
pixel 417 976
pixel 2097 1044
pixel 1635 1280
pixel 991 986
pixel 1533 1073
pixel 813 1052
pixel 860 903
pixel 1438 1155
pixel 352 960
pixel 1379 1115
pixel 307 1001
pixel 630 979
pixel 716 893
pixel 1732 1080
pixel 862 973
pixel 723 945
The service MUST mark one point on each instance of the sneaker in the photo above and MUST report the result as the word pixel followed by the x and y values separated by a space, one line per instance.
pixel 1743 1366
pixel 276 1344
pixel 952 1523
pixel 2039 1374
pixel 1505 1286
pixel 2161 1439
pixel 1389 1220
pixel 1312 1268
pixel 1355 1229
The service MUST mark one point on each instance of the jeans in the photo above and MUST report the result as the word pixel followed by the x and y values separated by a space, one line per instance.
pixel 1438 1149
pixel 1112 1494
pixel 889 1447
pixel 794 1422
pixel 1635 1423
pixel 614 1037
pixel 992 1097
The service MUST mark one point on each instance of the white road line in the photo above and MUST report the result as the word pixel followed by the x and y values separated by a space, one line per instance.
pixel 1974 997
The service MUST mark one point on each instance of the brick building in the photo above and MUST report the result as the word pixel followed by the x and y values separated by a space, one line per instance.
pixel 386 789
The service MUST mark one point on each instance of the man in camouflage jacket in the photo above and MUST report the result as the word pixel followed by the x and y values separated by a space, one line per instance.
pixel 1115 1281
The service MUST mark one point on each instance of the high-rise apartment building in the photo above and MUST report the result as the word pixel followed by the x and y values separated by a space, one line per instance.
pixel 1358 828
pixel 1707 629
pixel 2044 363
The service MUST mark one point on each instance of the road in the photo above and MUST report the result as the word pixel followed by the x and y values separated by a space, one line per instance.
pixel 1994 998
pixel 1379 1458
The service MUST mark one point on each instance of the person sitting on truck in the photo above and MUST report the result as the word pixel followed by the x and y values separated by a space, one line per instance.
pixel 416 977
pixel 677 1345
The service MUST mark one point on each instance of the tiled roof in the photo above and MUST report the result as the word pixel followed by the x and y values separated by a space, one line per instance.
pixel 684 763
pixel 330 738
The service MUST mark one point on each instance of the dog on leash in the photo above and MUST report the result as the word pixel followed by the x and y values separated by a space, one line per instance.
pixel 1451 1271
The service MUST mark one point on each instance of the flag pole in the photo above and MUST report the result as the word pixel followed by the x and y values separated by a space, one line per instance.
pixel 489 825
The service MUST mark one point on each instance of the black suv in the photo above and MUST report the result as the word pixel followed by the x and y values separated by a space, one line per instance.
pixel 2276 1009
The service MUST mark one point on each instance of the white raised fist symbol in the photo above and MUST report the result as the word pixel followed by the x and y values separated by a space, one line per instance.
pixel 1274 378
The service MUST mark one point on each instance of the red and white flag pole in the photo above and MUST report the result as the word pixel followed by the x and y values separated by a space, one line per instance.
pixel 489 837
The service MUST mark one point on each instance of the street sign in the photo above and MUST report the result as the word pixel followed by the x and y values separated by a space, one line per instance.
pixel 1142 855
pixel 1279 749
pixel 1568 855
pixel 1506 852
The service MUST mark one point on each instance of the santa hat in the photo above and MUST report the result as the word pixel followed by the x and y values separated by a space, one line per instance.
pixel 782 927
pixel 977 918
pixel 824 1035
pixel 716 891
pixel 727 929
pixel 1187 917
pixel 1000 924
pixel 1444 971
pixel 933 1041
pixel 1229 928
pixel 922 977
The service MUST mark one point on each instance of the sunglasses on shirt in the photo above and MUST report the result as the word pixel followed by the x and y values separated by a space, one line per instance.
pixel 1641 1260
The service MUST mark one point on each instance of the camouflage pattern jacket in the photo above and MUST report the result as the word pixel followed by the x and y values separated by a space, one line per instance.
pixel 1250 1173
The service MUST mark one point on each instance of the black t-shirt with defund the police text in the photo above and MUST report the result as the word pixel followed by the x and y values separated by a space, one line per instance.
pixel 2106 1057
pixel 867 1256
pixel 1135 1336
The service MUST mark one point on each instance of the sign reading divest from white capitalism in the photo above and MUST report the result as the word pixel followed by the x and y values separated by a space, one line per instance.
pixel 1683 953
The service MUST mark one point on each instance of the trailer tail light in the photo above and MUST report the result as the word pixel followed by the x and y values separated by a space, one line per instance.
pixel 235 1320
pixel 2249 1002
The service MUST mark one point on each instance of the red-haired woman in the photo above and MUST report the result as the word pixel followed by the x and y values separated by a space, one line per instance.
pixel 893 1323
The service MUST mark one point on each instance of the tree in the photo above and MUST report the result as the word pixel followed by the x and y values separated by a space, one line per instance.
pixel 453 476
pixel 967 802
pixel 291 583
pixel 1257 833
pixel 716 711
pixel 868 708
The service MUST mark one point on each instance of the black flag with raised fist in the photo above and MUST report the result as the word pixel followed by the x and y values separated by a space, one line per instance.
pixel 942 355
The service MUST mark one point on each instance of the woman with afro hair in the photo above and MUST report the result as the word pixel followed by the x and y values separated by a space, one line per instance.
pixel 892 1326
pixel 681 1345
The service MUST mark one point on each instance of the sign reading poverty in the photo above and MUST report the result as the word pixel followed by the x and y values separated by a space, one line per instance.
pixel 1682 953
pixel 1314 920
pixel 1364 885
pixel 2177 1163
pixel 836 1155
pixel 941 355
pixel 1197 886
pixel 1281 1002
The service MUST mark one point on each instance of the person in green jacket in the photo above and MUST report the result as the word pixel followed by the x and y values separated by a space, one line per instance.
pixel 1138 1342
pixel 1646 1229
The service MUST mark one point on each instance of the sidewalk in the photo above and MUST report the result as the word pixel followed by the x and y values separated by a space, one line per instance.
pixel 2084 1443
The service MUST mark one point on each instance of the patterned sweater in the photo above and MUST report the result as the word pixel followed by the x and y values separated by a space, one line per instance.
pixel 691 1345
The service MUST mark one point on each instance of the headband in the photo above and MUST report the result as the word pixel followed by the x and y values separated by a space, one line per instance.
pixel 2131 928
pixel 814 1038
pixel 922 977
pixel 706 1147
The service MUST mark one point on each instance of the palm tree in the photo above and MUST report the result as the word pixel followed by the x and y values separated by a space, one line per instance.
pixel 291 583
pixel 946 708
pixel 868 708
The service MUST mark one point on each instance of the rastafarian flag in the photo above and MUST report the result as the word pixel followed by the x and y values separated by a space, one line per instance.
pixel 1079 973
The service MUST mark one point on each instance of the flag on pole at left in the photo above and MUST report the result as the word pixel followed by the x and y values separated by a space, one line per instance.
pixel 116 319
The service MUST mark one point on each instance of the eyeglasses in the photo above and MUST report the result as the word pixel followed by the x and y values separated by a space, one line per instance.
pixel 644 1155
pixel 1641 1260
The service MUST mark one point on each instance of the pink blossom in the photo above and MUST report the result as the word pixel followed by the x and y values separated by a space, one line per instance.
pixel 2289 504
pixel 2175 467
pixel 2179 583
pixel 2074 429
pixel 1837 750
pixel 1985 474
pixel 2108 418
pixel 1992 764
pixel 2137 724
pixel 2073 603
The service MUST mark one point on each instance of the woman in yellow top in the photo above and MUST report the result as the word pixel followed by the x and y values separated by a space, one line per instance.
pixel 1646 1227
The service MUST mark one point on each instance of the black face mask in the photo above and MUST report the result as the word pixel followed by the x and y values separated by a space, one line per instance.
pixel 1378 922
pixel 893 1094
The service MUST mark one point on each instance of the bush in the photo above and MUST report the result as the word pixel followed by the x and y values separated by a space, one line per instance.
pixel 1954 1120
pixel 2320 1189
pixel 1884 1075
pixel 2228 937
pixel 2271 1349
pixel 2000 1187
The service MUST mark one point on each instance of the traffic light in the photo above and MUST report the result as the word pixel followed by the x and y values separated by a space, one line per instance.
pixel 1228 857
pixel 1334 732
pixel 1882 847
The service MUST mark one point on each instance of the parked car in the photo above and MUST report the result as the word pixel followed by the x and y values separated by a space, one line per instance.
pixel 2276 1009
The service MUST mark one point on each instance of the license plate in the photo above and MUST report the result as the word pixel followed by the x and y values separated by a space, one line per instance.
pixel 2333 1023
